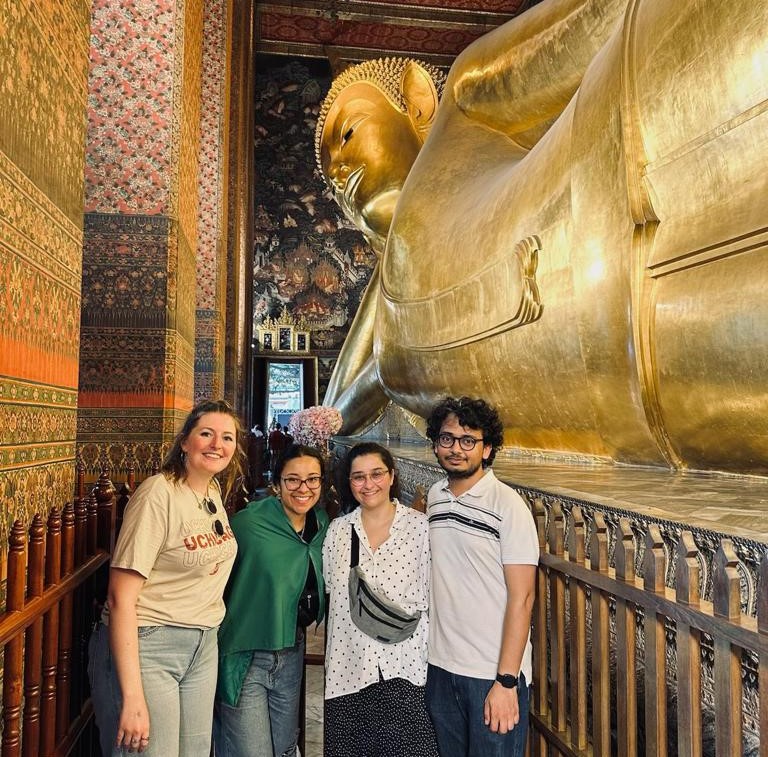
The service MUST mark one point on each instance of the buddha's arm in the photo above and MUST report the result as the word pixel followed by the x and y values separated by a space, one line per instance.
pixel 358 346
pixel 518 78
pixel 363 401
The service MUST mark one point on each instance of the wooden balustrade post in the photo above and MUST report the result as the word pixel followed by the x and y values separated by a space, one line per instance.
pixel 626 646
pixel 91 526
pixel 601 640
pixel 540 704
pixel 105 502
pixel 726 603
pixel 72 552
pixel 557 675
pixel 654 572
pixel 255 452
pixel 130 478
pixel 689 736
pixel 13 653
pixel 79 477
pixel 79 531
pixel 50 638
pixel 577 636
pixel 33 641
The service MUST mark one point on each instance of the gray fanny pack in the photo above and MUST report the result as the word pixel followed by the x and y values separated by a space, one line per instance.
pixel 375 615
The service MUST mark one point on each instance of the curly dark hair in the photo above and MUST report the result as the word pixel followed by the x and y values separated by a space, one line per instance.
pixel 472 413
pixel 173 466
pixel 294 450
pixel 366 448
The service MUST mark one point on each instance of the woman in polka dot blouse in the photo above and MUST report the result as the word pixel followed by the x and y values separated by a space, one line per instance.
pixel 374 692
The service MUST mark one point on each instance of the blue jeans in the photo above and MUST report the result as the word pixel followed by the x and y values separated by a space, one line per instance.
pixel 265 721
pixel 178 674
pixel 455 704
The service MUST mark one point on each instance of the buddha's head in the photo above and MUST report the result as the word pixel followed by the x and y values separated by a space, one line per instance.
pixel 371 127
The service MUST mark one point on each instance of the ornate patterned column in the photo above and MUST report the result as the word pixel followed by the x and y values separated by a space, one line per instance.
pixel 213 205
pixel 240 214
pixel 141 229
pixel 43 88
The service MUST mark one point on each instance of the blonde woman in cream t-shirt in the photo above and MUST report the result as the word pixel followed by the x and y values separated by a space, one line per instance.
pixel 153 657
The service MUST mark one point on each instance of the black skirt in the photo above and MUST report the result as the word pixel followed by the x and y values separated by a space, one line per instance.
pixel 386 719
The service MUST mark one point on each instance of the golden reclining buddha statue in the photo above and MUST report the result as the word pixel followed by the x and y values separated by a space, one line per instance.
pixel 577 232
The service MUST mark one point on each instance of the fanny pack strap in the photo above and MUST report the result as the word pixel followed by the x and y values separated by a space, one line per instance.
pixel 354 549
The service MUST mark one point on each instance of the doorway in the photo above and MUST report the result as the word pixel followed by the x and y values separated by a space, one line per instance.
pixel 285 391
pixel 281 387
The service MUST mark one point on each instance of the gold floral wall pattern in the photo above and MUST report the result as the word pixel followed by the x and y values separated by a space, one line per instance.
pixel 43 87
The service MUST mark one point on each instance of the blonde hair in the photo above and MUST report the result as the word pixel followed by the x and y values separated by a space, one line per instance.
pixel 386 74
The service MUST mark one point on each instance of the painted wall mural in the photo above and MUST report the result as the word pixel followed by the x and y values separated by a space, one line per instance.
pixel 307 257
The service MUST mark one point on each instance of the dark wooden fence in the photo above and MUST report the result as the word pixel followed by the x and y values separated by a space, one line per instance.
pixel 56 571
pixel 626 665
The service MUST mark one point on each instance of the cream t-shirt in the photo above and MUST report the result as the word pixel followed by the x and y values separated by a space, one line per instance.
pixel 169 538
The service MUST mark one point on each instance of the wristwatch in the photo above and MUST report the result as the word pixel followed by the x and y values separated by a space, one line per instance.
pixel 507 680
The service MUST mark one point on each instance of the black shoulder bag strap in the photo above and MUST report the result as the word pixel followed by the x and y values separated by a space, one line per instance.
pixel 354 549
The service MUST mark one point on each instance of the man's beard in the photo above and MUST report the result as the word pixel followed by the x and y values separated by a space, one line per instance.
pixel 459 474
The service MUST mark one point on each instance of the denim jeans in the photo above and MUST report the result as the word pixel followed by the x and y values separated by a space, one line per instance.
pixel 265 721
pixel 455 704
pixel 178 674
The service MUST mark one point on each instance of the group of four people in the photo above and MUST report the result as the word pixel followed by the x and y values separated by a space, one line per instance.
pixel 454 683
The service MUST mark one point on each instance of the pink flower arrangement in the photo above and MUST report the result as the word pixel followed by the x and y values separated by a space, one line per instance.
pixel 315 425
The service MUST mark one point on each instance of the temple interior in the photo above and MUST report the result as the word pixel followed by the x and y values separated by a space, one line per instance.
pixel 579 236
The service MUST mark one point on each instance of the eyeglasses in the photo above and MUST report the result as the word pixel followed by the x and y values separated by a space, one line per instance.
pixel 466 443
pixel 292 483
pixel 210 506
pixel 376 476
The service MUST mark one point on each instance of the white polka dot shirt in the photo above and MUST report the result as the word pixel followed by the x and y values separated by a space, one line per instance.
pixel 399 569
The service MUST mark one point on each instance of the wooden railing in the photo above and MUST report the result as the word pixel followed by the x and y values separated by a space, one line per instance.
pixel 629 657
pixel 54 573
pixel 624 664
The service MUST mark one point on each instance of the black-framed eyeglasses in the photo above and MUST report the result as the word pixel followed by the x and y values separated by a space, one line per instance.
pixel 466 443
pixel 292 483
pixel 210 506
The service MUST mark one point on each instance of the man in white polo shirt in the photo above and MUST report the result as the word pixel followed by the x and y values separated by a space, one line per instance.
pixel 484 557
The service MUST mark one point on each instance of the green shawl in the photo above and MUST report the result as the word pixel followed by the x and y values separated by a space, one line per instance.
pixel 262 596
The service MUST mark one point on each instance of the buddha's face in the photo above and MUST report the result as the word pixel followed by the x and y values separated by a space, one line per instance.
pixel 367 149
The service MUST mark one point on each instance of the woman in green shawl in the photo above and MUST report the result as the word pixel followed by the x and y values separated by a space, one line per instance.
pixel 275 591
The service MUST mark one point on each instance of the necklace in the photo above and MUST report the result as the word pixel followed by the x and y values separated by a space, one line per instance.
pixel 208 504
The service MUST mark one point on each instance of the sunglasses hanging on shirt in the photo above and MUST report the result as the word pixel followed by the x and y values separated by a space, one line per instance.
pixel 206 503
pixel 210 506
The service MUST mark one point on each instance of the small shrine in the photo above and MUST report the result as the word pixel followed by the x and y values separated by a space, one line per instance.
pixel 286 333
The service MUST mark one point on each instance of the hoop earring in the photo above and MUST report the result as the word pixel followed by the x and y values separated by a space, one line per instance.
pixel 183 458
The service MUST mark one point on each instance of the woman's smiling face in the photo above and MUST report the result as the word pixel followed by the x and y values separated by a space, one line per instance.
pixel 370 481
pixel 298 502
pixel 209 446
